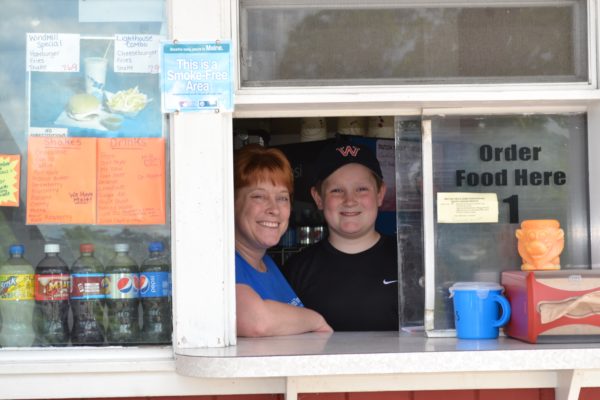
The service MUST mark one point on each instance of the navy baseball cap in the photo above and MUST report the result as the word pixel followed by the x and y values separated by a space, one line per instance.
pixel 339 153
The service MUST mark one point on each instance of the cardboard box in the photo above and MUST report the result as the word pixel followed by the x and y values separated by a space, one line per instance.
pixel 553 306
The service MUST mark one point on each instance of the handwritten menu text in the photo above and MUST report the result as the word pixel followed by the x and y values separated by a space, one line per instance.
pixel 96 181
pixel 131 181
pixel 52 52
pixel 61 180
pixel 10 167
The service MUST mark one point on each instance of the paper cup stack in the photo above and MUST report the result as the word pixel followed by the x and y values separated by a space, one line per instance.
pixel 312 129
pixel 352 126
pixel 381 127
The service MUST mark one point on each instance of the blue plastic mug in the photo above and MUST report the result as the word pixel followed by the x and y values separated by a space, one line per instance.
pixel 480 309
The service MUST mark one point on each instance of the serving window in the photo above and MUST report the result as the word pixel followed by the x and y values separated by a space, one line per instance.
pixel 532 166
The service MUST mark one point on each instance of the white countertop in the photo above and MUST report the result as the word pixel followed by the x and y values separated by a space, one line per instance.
pixel 338 362
pixel 348 353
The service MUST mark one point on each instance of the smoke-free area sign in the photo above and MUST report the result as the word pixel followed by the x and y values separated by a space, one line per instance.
pixel 197 76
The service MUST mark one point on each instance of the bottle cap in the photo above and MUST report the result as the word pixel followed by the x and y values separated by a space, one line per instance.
pixel 86 248
pixel 51 248
pixel 121 247
pixel 155 246
pixel 16 249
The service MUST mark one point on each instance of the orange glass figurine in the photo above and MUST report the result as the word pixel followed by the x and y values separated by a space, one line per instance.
pixel 540 243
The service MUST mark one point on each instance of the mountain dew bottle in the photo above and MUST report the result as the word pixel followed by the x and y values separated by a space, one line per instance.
pixel 16 300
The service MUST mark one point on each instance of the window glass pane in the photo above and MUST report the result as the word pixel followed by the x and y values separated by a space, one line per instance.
pixel 96 176
pixel 409 216
pixel 398 44
pixel 537 167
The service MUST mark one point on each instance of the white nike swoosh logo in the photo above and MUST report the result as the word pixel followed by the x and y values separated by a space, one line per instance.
pixel 386 282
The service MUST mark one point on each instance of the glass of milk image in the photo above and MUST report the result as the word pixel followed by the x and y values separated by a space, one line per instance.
pixel 95 75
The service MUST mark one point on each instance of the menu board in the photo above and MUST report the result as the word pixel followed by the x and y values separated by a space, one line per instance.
pixel 61 184
pixel 96 181
pixel 10 167
pixel 131 181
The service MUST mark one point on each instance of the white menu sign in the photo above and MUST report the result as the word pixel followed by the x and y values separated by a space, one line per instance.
pixel 137 53
pixel 53 52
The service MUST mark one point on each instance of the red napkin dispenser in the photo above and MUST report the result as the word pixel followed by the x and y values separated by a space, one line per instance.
pixel 553 306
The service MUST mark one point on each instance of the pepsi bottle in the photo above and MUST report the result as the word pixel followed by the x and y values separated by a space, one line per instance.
pixel 87 298
pixel 52 281
pixel 155 295
pixel 122 298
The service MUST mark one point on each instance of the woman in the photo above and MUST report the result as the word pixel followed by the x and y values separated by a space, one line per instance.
pixel 266 304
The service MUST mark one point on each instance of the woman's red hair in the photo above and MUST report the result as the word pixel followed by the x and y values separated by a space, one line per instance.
pixel 254 163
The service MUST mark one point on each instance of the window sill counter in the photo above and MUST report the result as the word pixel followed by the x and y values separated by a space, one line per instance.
pixel 99 372
pixel 366 361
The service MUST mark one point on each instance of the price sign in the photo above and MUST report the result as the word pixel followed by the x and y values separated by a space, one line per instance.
pixel 52 52
pixel 137 54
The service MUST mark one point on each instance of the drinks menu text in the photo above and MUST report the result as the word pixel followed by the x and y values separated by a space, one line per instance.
pixel 131 181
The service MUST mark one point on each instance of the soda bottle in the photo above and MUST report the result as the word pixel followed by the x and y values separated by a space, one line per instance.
pixel 122 298
pixel 87 298
pixel 52 283
pixel 155 294
pixel 16 300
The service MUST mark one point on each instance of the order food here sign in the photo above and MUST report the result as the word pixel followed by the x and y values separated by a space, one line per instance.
pixel 197 76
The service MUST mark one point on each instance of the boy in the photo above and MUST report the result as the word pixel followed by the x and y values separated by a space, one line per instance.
pixel 351 277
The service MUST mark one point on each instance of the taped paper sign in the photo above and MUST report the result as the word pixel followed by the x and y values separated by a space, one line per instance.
pixel 463 208
pixel 131 181
pixel 61 180
pixel 10 167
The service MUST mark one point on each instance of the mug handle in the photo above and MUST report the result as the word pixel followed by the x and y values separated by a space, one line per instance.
pixel 505 305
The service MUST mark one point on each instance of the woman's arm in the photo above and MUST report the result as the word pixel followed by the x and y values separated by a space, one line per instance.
pixel 257 317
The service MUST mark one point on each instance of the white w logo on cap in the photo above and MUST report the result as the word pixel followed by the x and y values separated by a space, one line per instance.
pixel 348 150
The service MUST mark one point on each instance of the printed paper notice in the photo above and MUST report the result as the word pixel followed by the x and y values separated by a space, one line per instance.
pixel 131 181
pixel 197 76
pixel 61 180
pixel 464 208
pixel 10 167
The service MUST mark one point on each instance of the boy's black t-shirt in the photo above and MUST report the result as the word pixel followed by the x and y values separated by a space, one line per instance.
pixel 353 292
